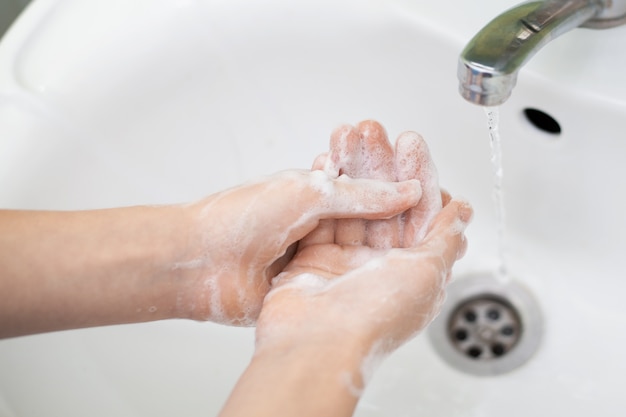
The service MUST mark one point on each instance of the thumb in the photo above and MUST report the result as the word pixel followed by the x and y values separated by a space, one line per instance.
pixel 446 235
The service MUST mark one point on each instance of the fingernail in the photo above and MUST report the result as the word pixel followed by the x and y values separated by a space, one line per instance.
pixel 465 211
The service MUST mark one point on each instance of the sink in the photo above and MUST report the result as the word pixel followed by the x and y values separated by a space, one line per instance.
pixel 115 103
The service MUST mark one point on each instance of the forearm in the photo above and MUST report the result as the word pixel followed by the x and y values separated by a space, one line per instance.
pixel 61 270
pixel 307 380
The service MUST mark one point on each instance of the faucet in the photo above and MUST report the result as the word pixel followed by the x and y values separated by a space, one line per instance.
pixel 489 64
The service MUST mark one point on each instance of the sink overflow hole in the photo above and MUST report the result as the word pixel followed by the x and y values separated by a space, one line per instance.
pixel 542 121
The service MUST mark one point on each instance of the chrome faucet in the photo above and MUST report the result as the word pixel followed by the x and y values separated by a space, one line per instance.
pixel 489 64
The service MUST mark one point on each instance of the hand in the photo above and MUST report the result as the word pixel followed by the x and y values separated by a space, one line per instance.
pixel 244 235
pixel 372 300
pixel 380 281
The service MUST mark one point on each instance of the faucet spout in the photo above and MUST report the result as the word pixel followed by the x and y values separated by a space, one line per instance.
pixel 489 64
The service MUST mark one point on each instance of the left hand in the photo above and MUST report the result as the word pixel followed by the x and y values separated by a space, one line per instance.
pixel 241 237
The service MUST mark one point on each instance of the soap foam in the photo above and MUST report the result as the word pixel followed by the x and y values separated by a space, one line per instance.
pixel 308 282
pixel 349 157
pixel 360 157
pixel 365 152
pixel 369 365
pixel 414 161
pixel 216 309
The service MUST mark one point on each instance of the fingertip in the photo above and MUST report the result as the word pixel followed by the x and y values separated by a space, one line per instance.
pixel 371 128
pixel 409 140
pixel 466 212
pixel 344 151
pixel 411 145
pixel 320 162
pixel 340 133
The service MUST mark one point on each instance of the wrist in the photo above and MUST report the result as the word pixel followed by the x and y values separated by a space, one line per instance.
pixel 154 240
pixel 299 379
pixel 184 261
pixel 340 359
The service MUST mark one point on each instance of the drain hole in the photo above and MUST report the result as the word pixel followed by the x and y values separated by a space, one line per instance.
pixel 498 349
pixel 470 316
pixel 542 121
pixel 460 335
pixel 493 314
pixel 507 331
pixel 474 351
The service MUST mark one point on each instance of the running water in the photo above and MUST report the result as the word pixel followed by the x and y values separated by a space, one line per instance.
pixel 493 114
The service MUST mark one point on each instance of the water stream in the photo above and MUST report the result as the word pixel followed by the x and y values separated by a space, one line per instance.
pixel 493 114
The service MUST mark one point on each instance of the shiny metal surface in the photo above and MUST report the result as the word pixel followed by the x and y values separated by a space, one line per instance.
pixel 489 64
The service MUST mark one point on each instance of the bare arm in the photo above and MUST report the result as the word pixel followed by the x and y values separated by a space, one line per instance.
pixel 62 270
pixel 303 379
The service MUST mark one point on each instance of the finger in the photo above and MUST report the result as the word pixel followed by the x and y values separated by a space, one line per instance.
pixel 426 268
pixel 377 156
pixel 367 199
pixel 290 205
pixel 445 238
pixel 345 152
pixel 320 162
pixel 413 161
pixel 377 162
pixel 325 231
pixel 345 159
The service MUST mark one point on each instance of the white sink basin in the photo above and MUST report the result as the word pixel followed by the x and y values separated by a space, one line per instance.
pixel 110 103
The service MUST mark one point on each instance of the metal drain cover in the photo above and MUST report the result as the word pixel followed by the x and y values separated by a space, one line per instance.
pixel 484 328
pixel 487 326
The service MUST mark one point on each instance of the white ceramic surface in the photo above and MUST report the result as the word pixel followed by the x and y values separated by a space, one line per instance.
pixel 108 103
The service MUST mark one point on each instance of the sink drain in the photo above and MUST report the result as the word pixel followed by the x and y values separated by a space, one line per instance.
pixel 484 328
pixel 487 327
